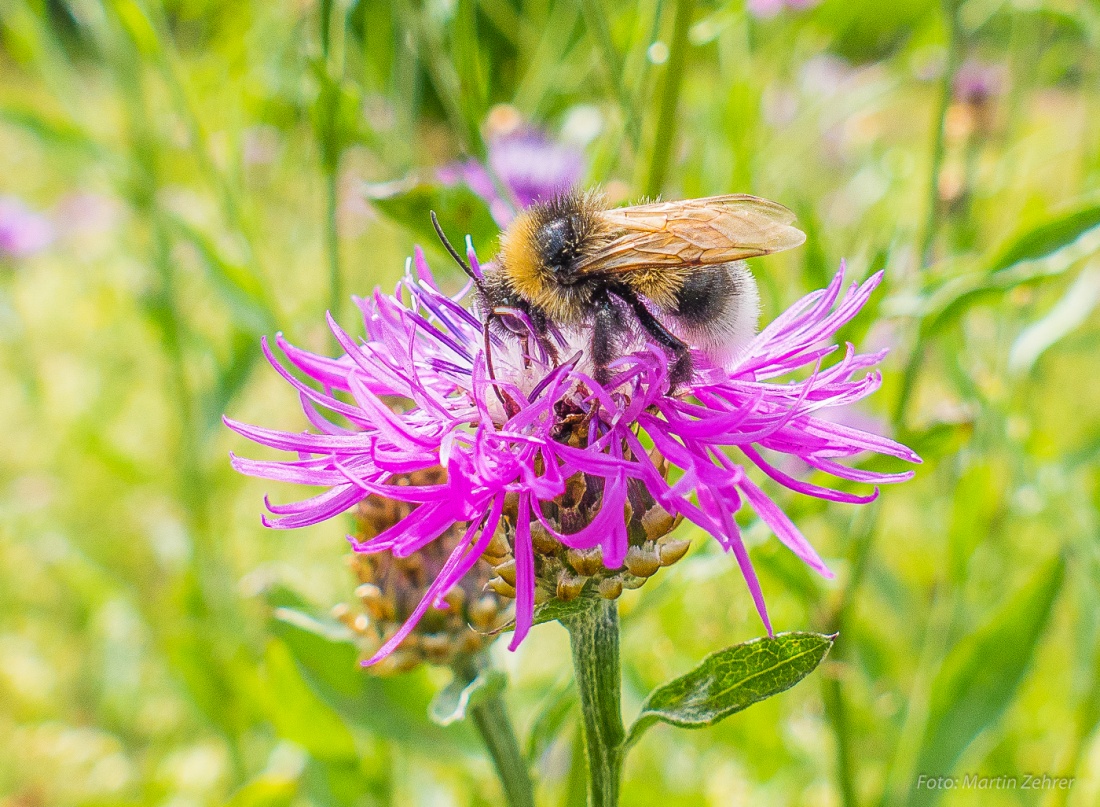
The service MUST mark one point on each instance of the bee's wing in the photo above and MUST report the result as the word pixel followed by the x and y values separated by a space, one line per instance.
pixel 695 232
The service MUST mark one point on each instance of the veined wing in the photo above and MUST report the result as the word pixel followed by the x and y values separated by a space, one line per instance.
pixel 694 232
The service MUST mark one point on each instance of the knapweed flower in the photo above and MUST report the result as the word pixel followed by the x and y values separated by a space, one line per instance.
pixel 529 164
pixel 536 450
pixel 23 232
pixel 975 88
pixel 977 82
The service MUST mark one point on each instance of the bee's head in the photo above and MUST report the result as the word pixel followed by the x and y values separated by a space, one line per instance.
pixel 544 243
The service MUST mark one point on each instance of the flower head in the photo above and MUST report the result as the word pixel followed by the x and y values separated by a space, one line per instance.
pixel 977 82
pixel 530 166
pixel 538 451
pixel 23 232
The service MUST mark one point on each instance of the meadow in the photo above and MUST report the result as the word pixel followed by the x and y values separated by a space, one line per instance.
pixel 179 178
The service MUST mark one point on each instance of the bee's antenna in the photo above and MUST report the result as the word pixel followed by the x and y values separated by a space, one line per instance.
pixel 454 253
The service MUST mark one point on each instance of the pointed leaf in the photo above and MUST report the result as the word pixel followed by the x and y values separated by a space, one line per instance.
pixel 328 660
pixel 554 610
pixel 453 702
pixel 552 714
pixel 980 675
pixel 731 680
pixel 460 212
pixel 297 712
pixel 1048 237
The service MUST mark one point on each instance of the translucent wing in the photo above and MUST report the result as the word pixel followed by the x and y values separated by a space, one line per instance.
pixel 694 232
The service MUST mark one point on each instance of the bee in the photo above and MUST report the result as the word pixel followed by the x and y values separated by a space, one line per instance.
pixel 673 269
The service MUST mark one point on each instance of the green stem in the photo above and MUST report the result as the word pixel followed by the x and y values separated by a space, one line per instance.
pixel 594 639
pixel 836 709
pixel 331 147
pixel 954 47
pixel 908 384
pixel 495 727
pixel 901 771
pixel 490 716
pixel 670 98
pixel 595 16
pixel 332 240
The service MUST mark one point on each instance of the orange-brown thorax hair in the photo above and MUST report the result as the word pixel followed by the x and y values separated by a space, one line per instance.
pixel 519 256
pixel 562 295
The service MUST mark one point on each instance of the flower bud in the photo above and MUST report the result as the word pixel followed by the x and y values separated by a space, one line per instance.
pixel 390 588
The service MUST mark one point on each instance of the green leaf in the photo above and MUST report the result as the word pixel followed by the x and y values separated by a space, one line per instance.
pixel 1048 237
pixel 1031 258
pixel 1070 312
pixel 461 212
pixel 298 713
pixel 232 375
pixel 138 26
pixel 53 130
pixel 240 288
pixel 328 658
pixel 731 680
pixel 979 494
pixel 981 674
pixel 266 790
pixel 453 701
pixel 555 610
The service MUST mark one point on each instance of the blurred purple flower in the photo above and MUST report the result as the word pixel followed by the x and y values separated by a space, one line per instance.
pixel 23 232
pixel 978 82
pixel 766 9
pixel 506 465
pixel 529 164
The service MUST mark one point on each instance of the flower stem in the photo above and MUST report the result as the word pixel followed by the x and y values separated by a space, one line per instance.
pixel 331 146
pixel 670 98
pixel 954 50
pixel 594 639
pixel 490 716
pixel 496 730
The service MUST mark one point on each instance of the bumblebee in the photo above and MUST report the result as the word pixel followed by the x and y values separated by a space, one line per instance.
pixel 674 269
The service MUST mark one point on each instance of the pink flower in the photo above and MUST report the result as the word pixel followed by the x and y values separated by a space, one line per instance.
pixel 530 166
pixel 765 9
pixel 506 465
pixel 23 232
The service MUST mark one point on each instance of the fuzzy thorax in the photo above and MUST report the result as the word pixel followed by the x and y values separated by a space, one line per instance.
pixel 541 249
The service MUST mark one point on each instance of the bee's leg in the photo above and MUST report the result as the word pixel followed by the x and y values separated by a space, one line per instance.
pixel 606 328
pixel 510 407
pixel 681 368
pixel 542 334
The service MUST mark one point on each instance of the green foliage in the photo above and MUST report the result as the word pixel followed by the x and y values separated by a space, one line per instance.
pixel 454 701
pixel 328 662
pixel 981 673
pixel 1048 237
pixel 461 212
pixel 730 680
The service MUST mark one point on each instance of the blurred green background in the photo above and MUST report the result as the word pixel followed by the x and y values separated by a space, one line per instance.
pixel 179 178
